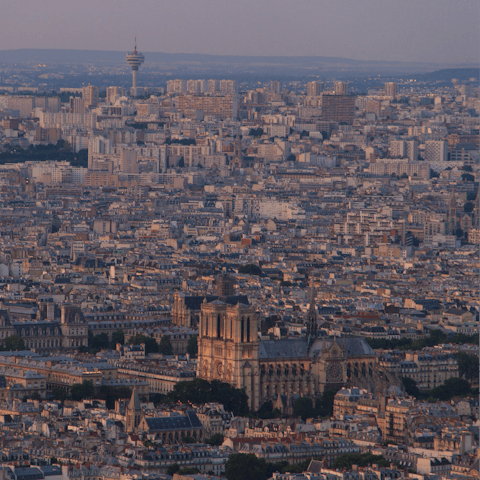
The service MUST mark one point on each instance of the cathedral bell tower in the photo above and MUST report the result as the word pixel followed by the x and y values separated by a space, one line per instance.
pixel 228 346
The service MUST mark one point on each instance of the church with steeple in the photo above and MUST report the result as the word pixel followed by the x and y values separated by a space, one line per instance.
pixel 133 413
pixel 231 350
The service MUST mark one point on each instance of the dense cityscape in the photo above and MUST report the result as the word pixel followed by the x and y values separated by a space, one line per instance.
pixel 232 278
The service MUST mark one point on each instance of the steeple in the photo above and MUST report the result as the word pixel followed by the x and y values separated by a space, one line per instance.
pixel 237 150
pixel 452 212
pixel 134 400
pixel 476 209
pixel 312 313
pixel 134 412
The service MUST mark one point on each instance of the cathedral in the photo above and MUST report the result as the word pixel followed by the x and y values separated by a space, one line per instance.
pixel 229 350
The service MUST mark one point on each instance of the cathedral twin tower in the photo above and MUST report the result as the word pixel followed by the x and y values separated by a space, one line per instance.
pixel 228 346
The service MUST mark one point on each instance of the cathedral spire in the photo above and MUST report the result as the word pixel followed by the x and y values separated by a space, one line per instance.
pixel 312 313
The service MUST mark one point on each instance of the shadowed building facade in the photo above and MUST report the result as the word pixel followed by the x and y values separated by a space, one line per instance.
pixel 44 326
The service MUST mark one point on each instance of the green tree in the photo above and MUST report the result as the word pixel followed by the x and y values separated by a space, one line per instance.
pixel 362 460
pixel 172 469
pixel 188 439
pixel 266 410
pixel 118 337
pixel 188 471
pixel 216 439
pixel 437 337
pixel 202 391
pixel 59 394
pixel 35 396
pixel 410 386
pixel 14 342
pixel 82 390
pixel 192 346
pixel 452 387
pixel 296 467
pixel 303 407
pixel 242 466
pixel 324 404
pixel 151 346
pixel 250 269
pixel 111 394
pixel 98 342
pixel 276 467
pixel 165 346
pixel 467 366
pixel 256 132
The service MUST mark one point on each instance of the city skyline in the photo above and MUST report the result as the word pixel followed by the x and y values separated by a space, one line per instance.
pixel 260 261
pixel 430 31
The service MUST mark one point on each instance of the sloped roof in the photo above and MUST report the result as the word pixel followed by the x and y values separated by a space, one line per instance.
pixel 284 348
pixel 180 422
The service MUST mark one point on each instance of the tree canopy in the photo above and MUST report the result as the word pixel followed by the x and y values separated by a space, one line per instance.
pixel 192 346
pixel 303 407
pixel 98 342
pixel 360 459
pixel 250 269
pixel 60 151
pixel 437 337
pixel 14 342
pixel 203 391
pixel 256 132
pixel 267 411
pixel 452 387
pixel 165 346
pixel 216 439
pixel 82 390
pixel 118 337
pixel 151 346
pixel 467 365
pixel 242 466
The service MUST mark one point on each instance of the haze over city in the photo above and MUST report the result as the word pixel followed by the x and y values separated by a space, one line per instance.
pixel 239 240
pixel 434 31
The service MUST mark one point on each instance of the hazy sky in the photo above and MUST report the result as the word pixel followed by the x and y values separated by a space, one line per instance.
pixel 404 30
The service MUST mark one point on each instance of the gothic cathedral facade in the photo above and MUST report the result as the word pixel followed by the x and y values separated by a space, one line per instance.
pixel 230 350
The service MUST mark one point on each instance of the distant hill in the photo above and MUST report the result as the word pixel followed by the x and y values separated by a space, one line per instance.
pixel 60 56
pixel 446 74
pixel 236 66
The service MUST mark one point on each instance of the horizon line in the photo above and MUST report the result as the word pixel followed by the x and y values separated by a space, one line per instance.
pixel 474 63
